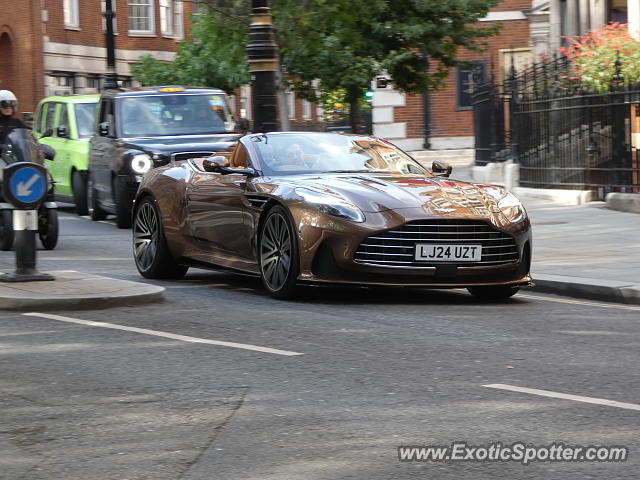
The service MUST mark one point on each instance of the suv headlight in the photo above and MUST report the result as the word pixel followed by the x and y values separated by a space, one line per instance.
pixel 331 205
pixel 512 208
pixel 141 163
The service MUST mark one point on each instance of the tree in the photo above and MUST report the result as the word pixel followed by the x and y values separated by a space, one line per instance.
pixel 213 55
pixel 346 43
pixel 333 45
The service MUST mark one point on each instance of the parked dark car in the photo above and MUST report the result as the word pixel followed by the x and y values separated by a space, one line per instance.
pixel 146 127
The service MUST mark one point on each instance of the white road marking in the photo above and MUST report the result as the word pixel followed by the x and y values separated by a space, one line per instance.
pixel 90 259
pixel 18 334
pixel 156 333
pixel 565 396
pixel 579 302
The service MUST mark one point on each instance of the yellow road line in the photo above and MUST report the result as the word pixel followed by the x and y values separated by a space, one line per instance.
pixel 580 302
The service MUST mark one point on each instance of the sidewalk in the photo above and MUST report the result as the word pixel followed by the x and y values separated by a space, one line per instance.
pixel 586 251
pixel 76 290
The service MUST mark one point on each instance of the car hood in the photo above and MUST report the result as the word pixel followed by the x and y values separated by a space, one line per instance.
pixel 380 192
pixel 173 144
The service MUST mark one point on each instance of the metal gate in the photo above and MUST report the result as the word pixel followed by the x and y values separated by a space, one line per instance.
pixel 561 135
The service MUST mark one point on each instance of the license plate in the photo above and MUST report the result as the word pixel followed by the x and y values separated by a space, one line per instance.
pixel 447 253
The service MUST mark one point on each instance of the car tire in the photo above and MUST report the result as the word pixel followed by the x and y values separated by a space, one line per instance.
pixel 97 213
pixel 497 292
pixel 150 250
pixel 278 254
pixel 124 203
pixel 48 227
pixel 6 229
pixel 80 193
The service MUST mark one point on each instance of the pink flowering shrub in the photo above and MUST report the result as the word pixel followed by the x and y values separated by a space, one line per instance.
pixel 594 56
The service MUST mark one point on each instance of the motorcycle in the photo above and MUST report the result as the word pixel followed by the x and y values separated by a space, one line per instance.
pixel 20 146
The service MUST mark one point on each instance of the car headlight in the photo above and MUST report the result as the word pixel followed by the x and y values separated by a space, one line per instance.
pixel 141 163
pixel 512 208
pixel 331 205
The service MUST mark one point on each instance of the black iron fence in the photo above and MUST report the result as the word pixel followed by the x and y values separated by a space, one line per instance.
pixel 561 134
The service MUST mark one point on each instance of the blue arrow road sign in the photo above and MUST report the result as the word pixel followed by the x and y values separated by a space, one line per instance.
pixel 28 185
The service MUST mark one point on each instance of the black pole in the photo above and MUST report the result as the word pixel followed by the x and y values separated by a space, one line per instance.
pixel 111 77
pixel 426 108
pixel 263 63
pixel 25 225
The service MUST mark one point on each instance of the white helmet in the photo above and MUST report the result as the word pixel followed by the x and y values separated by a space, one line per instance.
pixel 8 99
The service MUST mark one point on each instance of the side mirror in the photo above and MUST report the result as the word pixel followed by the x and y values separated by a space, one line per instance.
pixel 215 164
pixel 103 129
pixel 62 131
pixel 49 152
pixel 441 169
pixel 47 133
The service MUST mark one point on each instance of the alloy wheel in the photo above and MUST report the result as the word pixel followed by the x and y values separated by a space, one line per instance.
pixel 145 235
pixel 275 252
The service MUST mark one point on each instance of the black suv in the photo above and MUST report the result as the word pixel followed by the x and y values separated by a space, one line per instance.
pixel 147 127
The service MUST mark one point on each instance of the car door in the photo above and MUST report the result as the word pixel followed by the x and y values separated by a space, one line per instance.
pixel 48 126
pixel 101 152
pixel 215 212
pixel 62 144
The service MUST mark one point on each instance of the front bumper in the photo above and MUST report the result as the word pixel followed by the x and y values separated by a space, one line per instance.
pixel 328 247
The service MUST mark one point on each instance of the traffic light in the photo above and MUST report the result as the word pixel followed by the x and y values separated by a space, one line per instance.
pixel 368 94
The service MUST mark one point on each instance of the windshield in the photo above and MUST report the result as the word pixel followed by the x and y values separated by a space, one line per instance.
pixel 20 147
pixel 296 153
pixel 179 114
pixel 84 118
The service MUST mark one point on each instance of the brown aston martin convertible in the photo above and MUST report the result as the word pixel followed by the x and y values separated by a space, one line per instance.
pixel 298 207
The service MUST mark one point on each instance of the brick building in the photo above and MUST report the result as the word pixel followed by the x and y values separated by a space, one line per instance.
pixel 56 47
pixel 401 117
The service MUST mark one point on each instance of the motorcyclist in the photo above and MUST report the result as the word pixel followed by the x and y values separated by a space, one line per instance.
pixel 8 108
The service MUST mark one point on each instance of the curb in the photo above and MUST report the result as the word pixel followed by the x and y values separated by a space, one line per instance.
pixel 73 290
pixel 589 288
pixel 624 202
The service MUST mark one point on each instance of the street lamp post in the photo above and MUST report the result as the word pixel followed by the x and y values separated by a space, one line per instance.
pixel 111 77
pixel 263 64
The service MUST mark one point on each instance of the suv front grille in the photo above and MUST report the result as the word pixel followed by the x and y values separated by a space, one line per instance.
pixel 396 248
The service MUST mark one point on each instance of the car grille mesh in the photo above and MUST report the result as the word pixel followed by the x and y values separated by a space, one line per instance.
pixel 396 248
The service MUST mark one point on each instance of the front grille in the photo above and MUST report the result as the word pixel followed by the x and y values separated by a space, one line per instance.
pixel 396 248
pixel 176 157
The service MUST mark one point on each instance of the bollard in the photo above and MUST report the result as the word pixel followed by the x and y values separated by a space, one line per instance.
pixel 25 187
pixel 25 226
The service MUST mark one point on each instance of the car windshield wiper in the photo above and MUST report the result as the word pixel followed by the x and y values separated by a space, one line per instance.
pixel 357 171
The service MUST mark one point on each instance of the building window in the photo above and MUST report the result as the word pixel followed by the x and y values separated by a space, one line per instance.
pixel 93 83
pixel 166 17
pixel 178 24
pixel 468 78
pixel 71 14
pixel 141 19
pixel 291 104
pixel 306 110
pixel 115 20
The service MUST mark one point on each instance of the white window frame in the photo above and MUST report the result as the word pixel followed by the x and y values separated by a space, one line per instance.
pixel 152 18
pixel 167 18
pixel 291 104
pixel 178 20
pixel 115 18
pixel 306 110
pixel 71 14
